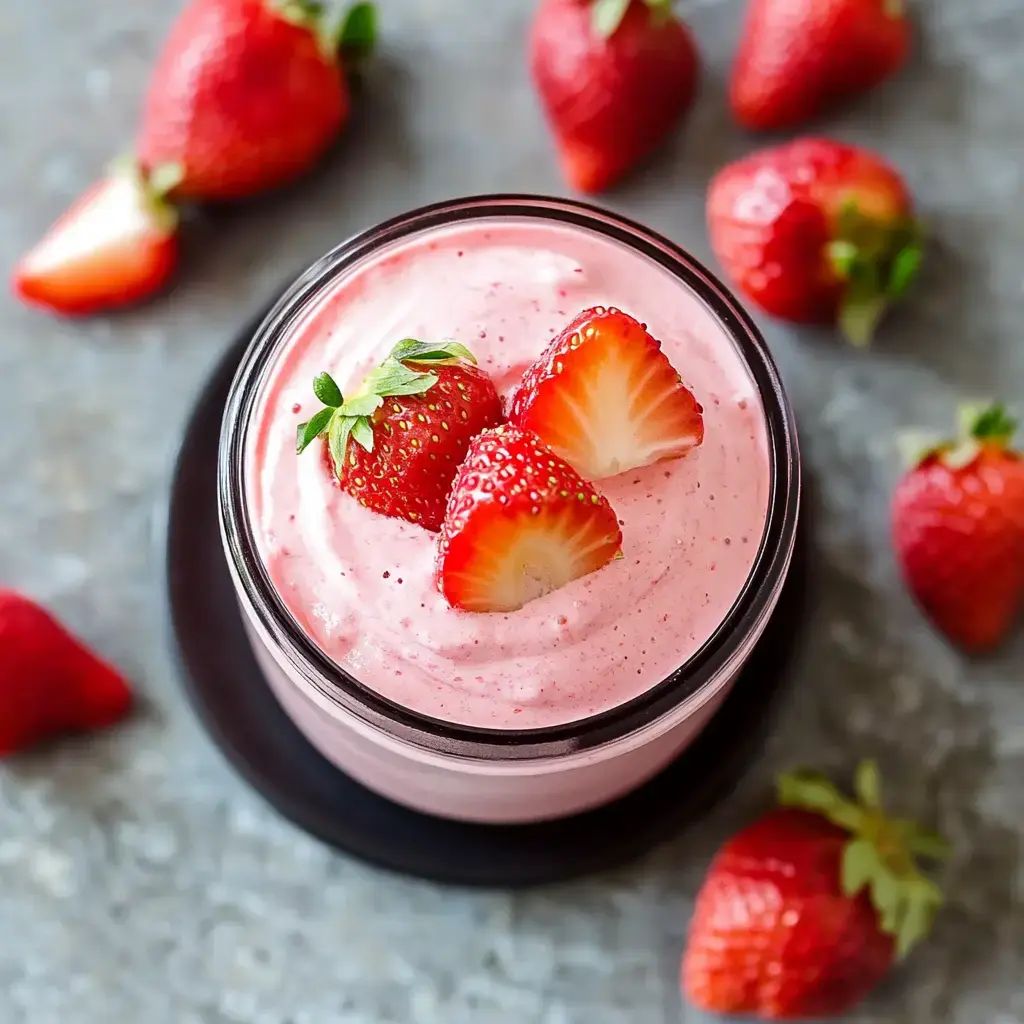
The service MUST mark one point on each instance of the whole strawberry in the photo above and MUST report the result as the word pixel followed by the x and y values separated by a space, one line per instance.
pixel 397 443
pixel 816 231
pixel 804 912
pixel 521 522
pixel 958 530
pixel 799 58
pixel 248 94
pixel 116 245
pixel 614 78
pixel 49 682
pixel 605 397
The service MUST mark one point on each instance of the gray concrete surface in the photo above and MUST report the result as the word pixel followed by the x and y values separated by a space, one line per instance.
pixel 141 881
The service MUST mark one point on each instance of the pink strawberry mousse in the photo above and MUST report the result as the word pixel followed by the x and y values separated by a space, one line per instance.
pixel 361 585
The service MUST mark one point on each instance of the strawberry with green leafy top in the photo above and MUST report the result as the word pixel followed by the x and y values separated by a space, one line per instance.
pixel 958 529
pixel 397 442
pixel 816 231
pixel 804 912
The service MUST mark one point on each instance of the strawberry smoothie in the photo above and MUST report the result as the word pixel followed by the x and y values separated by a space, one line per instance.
pixel 361 586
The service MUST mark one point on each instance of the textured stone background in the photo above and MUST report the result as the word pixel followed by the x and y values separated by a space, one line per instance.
pixel 141 881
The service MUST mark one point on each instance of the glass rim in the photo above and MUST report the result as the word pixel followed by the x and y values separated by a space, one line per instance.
pixel 340 688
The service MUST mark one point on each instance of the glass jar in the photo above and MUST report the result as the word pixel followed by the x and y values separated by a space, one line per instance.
pixel 471 772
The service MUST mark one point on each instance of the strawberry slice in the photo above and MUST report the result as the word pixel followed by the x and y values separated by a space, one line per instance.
pixel 605 397
pixel 116 245
pixel 521 522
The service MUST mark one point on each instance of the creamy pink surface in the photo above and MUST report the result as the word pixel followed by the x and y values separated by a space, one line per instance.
pixel 361 585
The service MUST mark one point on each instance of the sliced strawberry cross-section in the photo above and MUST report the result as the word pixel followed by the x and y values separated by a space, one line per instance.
pixel 521 522
pixel 605 397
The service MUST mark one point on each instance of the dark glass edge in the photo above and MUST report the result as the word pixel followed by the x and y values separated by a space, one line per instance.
pixel 444 737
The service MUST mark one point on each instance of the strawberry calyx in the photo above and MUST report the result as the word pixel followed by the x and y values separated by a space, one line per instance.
pixel 982 425
pixel 880 856
pixel 341 418
pixel 353 38
pixel 607 15
pixel 878 261
pixel 895 9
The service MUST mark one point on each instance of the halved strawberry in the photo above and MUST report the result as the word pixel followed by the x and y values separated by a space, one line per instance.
pixel 521 522
pixel 116 245
pixel 605 397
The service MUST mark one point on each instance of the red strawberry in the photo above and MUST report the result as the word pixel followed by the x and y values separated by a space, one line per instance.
pixel 116 245
pixel 799 58
pixel 605 397
pixel 521 522
pixel 614 78
pixel 803 913
pixel 397 442
pixel 816 231
pixel 49 682
pixel 248 94
pixel 958 530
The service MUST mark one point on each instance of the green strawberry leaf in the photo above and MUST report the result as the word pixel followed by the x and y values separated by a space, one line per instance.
pixel 357 34
pixel 362 405
pixel 337 440
pixel 860 315
pixel 989 421
pixel 394 378
pixel 309 431
pixel 607 15
pixel 860 864
pixel 844 257
pixel 868 786
pixel 411 350
pixel 922 900
pixel 327 391
pixel 811 791
pixel 886 895
pixel 904 270
pixel 922 842
pixel 362 433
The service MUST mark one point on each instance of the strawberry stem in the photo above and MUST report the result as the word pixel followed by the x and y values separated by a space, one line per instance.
pixel 878 260
pixel 880 856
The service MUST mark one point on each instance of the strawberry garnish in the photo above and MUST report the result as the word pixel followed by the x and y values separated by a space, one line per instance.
pixel 816 231
pixel 804 912
pixel 614 78
pixel 116 245
pixel 396 443
pixel 799 58
pixel 958 529
pixel 50 683
pixel 605 397
pixel 249 94
pixel 521 522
